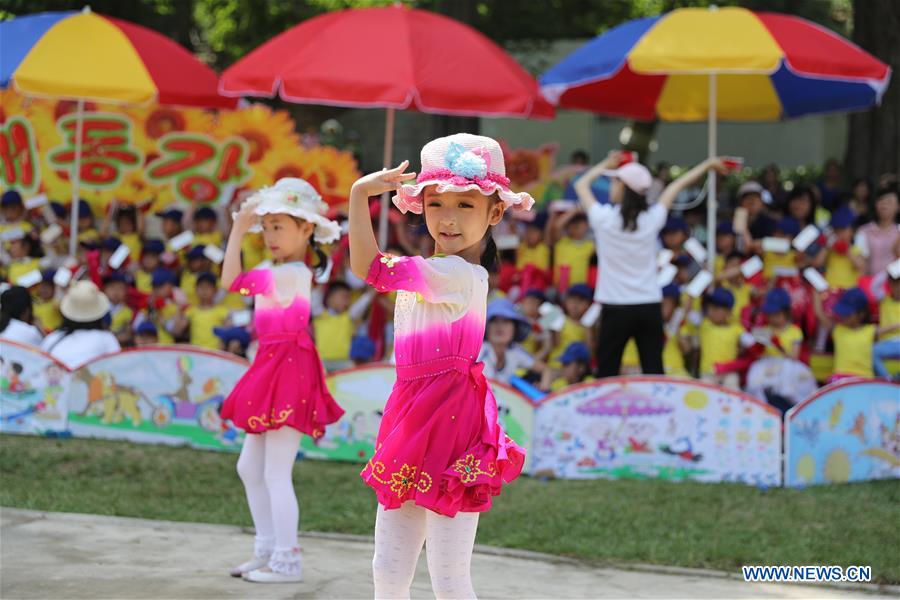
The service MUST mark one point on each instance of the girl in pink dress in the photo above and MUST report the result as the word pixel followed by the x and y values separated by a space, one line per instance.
pixel 283 394
pixel 440 454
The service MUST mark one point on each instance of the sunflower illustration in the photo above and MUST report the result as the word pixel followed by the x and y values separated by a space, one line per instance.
pixel 268 133
pixel 153 122
pixel 329 170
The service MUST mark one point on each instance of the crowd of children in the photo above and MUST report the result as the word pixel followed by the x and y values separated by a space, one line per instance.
pixel 161 274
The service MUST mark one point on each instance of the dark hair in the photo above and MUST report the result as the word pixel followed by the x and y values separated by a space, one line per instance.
pixel 490 258
pixel 334 286
pixel 69 326
pixel 798 192
pixel 735 254
pixel 33 245
pixel 577 218
pixel 633 204
pixel 15 303
pixel 891 188
pixel 580 155
pixel 321 257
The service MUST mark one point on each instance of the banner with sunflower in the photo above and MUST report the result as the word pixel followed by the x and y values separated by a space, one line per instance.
pixel 155 156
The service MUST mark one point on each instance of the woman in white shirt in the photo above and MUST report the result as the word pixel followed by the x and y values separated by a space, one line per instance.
pixel 15 317
pixel 627 230
pixel 83 335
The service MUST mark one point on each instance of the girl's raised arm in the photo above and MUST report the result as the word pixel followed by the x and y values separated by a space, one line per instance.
pixel 231 266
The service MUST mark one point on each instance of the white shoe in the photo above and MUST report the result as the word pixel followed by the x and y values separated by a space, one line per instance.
pixel 282 567
pixel 257 562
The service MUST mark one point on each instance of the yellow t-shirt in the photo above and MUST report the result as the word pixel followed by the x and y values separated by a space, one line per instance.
pixel 89 235
pixel 630 356
pixel 24 226
pixel 673 359
pixel 203 320
pixel 853 350
pixel 333 335
pixel 719 264
pixel 135 246
pixel 741 295
pixel 48 314
pixel 572 332
pixel 160 318
pixel 538 255
pixel 188 285
pixel 773 260
pixel 560 382
pixel 889 312
pixel 788 338
pixel 121 318
pixel 234 301
pixel 22 267
pixel 576 254
pixel 206 239
pixel 718 343
pixel 143 281
pixel 840 272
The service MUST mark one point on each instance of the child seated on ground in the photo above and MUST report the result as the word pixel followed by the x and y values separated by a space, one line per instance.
pixel 336 325
pixel 145 334
pixel 577 301
pixel 501 353
pixel 575 367
pixel 201 319
pixel 783 337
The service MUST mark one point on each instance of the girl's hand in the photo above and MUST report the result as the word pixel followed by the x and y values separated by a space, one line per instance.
pixel 245 218
pixel 386 180
pixel 718 165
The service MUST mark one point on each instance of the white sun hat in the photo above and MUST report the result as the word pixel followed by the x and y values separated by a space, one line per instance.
pixel 297 198
pixel 84 303
pixel 634 175
pixel 458 163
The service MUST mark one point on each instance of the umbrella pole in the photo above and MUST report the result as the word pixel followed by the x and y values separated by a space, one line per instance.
pixel 76 179
pixel 711 197
pixel 388 163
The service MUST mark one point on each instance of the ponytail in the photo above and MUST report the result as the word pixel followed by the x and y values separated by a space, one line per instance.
pixel 321 257
pixel 490 259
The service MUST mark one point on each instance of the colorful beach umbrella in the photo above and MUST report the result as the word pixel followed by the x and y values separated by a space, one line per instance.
pixel 389 57
pixel 86 56
pixel 696 64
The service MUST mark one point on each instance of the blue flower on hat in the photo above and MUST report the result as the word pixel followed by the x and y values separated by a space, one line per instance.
pixel 465 163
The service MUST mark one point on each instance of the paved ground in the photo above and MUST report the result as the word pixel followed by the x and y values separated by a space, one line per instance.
pixel 66 556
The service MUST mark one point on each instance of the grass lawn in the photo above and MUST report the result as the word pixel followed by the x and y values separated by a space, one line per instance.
pixel 719 526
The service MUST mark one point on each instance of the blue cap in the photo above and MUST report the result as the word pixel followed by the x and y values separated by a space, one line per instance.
pixel 171 213
pixel 682 260
pixel 721 297
pixel 115 277
pixel 58 209
pixel 162 277
pixel 842 217
pixel 207 277
pixel 852 301
pixel 48 275
pixel 11 198
pixel 504 309
pixel 539 221
pixel 146 327
pixel 536 293
pixel 84 210
pixel 671 291
pixel 788 225
pixel 725 228
pixel 581 290
pixel 227 334
pixel 576 351
pixel 777 300
pixel 196 252
pixel 154 247
pixel 111 243
pixel 205 212
pixel 362 348
pixel 674 223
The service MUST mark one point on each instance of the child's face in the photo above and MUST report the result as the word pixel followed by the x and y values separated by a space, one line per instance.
pixel 234 347
pixel 171 227
pixel 800 207
pixel 735 263
pixel 339 300
pixel 844 233
pixel 577 229
pixel 574 371
pixel 683 276
pixel 13 212
pixel 458 220
pixel 115 291
pixel 673 239
pixel 85 223
pixel 886 207
pixel 163 291
pixel 501 331
pixel 576 306
pixel 150 262
pixel 46 290
pixel 206 292
pixel 198 265
pixel 753 203
pixel 778 320
pixel 285 236
pixel 533 235
pixel 125 225
pixel 144 339
pixel 725 243
pixel 17 249
pixel 531 307
pixel 204 225
pixel 718 315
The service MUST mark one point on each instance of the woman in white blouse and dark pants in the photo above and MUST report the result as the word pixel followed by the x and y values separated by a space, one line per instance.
pixel 626 231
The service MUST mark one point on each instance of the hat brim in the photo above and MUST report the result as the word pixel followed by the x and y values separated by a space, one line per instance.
pixel 87 314
pixel 409 197
pixel 843 309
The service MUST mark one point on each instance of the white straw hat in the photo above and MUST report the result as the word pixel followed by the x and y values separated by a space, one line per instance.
pixel 458 163
pixel 84 303
pixel 297 198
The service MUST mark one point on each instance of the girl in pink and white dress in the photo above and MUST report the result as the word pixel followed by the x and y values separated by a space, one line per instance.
pixel 440 454
pixel 283 394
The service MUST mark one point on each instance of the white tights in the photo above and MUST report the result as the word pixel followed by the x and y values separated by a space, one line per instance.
pixel 399 535
pixel 265 468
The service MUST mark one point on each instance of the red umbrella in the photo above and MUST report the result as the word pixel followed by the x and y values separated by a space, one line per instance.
pixel 391 57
